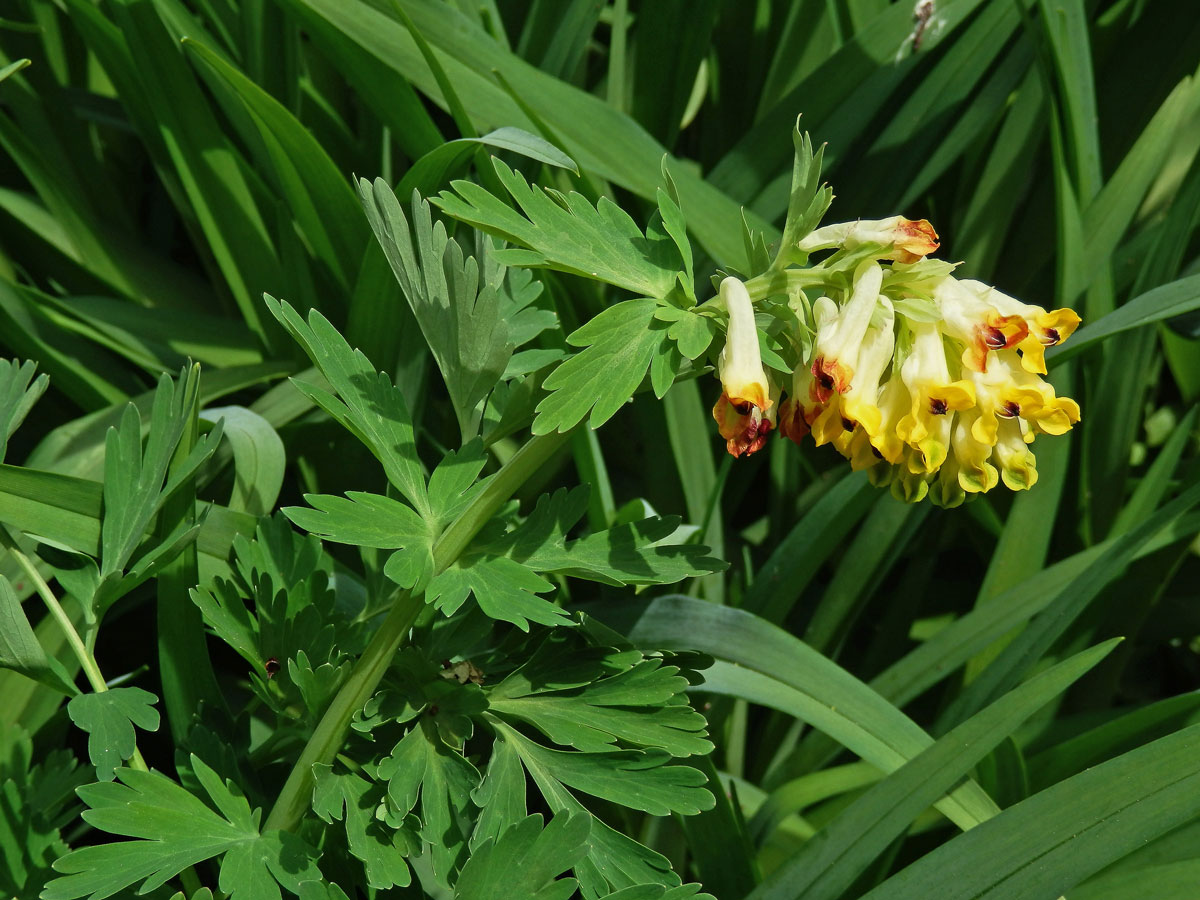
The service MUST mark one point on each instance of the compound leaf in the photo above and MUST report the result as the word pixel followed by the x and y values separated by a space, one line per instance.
pixel 567 233
pixel 421 764
pixel 368 520
pixel 639 779
pixel 633 553
pixel 503 588
pixel 174 829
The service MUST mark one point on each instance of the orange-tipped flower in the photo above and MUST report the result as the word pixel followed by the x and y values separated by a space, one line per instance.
pixel 744 412
pixel 931 383
pixel 899 239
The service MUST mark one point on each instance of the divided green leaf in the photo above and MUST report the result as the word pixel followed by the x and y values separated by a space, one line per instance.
pixel 367 403
pixel 108 717
pixel 354 800
pixel 619 345
pixel 136 485
pixel 426 775
pixel 526 860
pixel 456 299
pixel 809 199
pixel 36 802
pixel 567 233
pixel 639 552
pixel 172 830
pixel 612 697
pixel 19 391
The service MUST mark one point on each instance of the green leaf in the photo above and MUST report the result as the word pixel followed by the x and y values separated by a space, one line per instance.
pixel 501 794
pixel 1040 634
pixel 134 489
pixel 421 765
pixel 776 669
pixel 88 375
pixel 180 130
pixel 315 190
pixel 374 49
pixel 503 588
pixel 567 233
pixel 293 622
pixel 1163 302
pixel 1171 880
pixel 613 858
pixel 433 170
pixel 345 796
pixel 809 199
pixel 35 800
pixel 453 483
pixel 620 343
pixel 370 406
pixel 591 700
pixel 829 863
pixel 108 717
pixel 455 298
pixel 1044 846
pixel 1119 734
pixel 635 553
pixel 19 390
pixel 67 511
pixel 369 520
pixel 259 459
pixel 175 829
pixel 670 219
pixel 19 647
pixel 781 580
pixel 13 67
pixel 639 779
pixel 527 859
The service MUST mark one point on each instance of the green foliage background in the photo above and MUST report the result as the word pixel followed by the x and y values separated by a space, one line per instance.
pixel 898 701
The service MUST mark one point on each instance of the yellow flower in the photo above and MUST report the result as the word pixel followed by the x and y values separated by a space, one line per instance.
pixel 1008 391
pixel 930 383
pixel 1042 328
pixel 934 398
pixel 860 403
pixel 975 474
pixel 745 411
pixel 979 326
pixel 840 334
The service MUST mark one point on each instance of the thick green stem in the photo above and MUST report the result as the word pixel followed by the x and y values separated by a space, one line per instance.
pixel 329 735
pixel 524 463
pixel 86 660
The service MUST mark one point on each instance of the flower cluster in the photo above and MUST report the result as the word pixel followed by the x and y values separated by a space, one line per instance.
pixel 931 382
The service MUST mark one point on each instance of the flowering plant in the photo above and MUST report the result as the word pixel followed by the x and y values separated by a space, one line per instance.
pixel 931 383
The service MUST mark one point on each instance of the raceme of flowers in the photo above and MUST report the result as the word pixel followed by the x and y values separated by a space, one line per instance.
pixel 931 382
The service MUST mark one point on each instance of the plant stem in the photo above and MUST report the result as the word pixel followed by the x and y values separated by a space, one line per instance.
pixel 533 454
pixel 329 735
pixel 784 281
pixel 86 660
